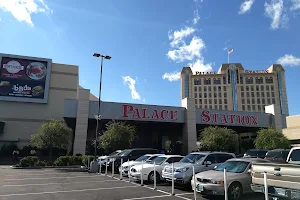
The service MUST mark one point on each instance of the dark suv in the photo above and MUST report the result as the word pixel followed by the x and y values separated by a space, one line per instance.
pixel 129 154
pixel 277 155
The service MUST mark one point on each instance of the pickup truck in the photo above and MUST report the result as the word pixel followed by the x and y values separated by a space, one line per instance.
pixel 283 180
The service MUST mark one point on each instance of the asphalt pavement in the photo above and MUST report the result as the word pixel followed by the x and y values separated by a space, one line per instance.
pixel 67 184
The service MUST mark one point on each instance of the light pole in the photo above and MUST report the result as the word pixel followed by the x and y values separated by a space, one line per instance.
pixel 99 99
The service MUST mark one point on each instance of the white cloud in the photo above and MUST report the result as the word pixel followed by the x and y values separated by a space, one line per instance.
pixel 275 11
pixel 131 84
pixel 178 36
pixel 246 6
pixel 187 52
pixel 289 60
pixel 144 100
pixel 173 76
pixel 196 17
pixel 200 66
pixel 295 4
pixel 22 9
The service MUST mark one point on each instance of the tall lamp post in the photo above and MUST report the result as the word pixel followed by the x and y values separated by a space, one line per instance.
pixel 98 117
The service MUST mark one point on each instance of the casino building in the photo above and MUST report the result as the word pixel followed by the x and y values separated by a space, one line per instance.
pixel 34 90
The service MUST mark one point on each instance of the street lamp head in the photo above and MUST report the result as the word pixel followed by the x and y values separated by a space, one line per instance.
pixel 107 57
pixel 96 55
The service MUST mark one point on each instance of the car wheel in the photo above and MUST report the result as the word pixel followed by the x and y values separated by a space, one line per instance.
pixel 151 177
pixel 235 191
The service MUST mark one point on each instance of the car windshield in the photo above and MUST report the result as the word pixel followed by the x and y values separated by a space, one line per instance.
pixel 277 154
pixel 158 160
pixel 256 153
pixel 124 153
pixel 233 166
pixel 192 158
pixel 114 153
pixel 142 158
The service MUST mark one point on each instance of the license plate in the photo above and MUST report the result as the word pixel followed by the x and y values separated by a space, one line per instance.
pixel 199 188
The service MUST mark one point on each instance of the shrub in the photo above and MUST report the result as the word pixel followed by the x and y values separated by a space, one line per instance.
pixel 29 161
pixel 70 160
pixel 41 163
pixel 85 159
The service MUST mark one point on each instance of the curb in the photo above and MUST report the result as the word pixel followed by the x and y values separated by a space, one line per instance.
pixel 47 167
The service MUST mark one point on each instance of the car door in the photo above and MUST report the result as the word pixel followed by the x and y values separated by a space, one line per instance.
pixel 246 179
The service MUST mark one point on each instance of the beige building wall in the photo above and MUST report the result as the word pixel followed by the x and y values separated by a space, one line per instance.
pixel 23 119
pixel 292 132
pixel 254 91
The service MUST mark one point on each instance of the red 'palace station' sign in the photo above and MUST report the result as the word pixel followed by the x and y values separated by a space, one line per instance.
pixel 132 112
pixel 228 119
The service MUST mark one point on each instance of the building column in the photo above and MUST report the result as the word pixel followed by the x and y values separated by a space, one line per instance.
pixel 189 128
pixel 81 121
pixel 278 119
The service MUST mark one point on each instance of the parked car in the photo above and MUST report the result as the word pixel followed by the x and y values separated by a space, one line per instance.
pixel 277 155
pixel 202 161
pixel 127 155
pixel 283 179
pixel 238 178
pixel 102 159
pixel 148 168
pixel 255 153
pixel 147 158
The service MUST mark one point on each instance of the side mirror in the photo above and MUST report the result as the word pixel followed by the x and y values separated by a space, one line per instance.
pixel 206 163
pixel 166 163
pixel 249 171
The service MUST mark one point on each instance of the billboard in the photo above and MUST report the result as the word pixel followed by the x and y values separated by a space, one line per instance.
pixel 24 79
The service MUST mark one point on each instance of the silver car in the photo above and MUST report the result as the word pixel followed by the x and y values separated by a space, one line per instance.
pixel 202 161
pixel 238 178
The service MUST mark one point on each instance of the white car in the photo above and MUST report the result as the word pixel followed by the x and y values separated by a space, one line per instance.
pixel 145 171
pixel 102 159
pixel 147 158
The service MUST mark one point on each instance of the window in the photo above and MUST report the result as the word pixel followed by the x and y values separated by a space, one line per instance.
pixel 248 94
pixel 242 94
pixel 253 101
pixel 215 101
pixel 248 101
pixel 220 94
pixel 196 101
pixel 272 94
pixel 253 107
pixel 257 88
pixel 225 101
pixel 173 159
pixel 200 89
pixel 205 95
pixel 243 107
pixel 216 107
pixel 259 108
pixel 252 94
pixel 220 107
pixel 205 101
pixel 262 94
pixel 225 95
pixel 186 86
pixel 269 80
pixel 252 88
pixel 242 79
pixel 243 101
pixel 249 108
pixel 219 88
pixel 200 95
pixel 210 106
pixel 215 95
pixel 257 94
pixel 249 80
pixel 204 88
pixel 247 88
pixel 195 89
pixel 263 101
pixel 262 88
pixel 258 101
pixel 200 101
pixel 242 88
pixel 209 89
pixel 210 101
pixel 205 106
pixel 268 94
pixel 215 88
pixel 220 101
pixel 273 100
pixel 267 88
pixel 225 107
pixel 259 80
pixel 197 81
pixel 269 101
pixel 209 95
pixel 195 95
pixel 211 158
pixel 207 81
pixel 224 80
pixel 272 87
pixel 217 81
pixel 295 155
pixel 223 157
pixel 224 88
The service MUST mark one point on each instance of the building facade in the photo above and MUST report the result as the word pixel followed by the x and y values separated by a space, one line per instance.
pixel 36 90
pixel 234 88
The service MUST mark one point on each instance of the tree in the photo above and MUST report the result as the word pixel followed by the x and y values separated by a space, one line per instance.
pixel 270 138
pixel 218 139
pixel 53 134
pixel 118 135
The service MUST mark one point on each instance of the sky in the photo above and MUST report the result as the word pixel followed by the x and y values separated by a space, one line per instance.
pixel 151 40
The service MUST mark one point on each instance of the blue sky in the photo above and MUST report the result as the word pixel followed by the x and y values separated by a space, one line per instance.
pixel 151 40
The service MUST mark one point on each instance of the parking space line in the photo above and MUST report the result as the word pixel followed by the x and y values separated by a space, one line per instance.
pixel 185 198
pixel 42 174
pixel 65 191
pixel 151 197
pixel 79 182
pixel 22 179
pixel 187 193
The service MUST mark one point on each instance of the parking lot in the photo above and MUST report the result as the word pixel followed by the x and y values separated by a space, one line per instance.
pixel 63 184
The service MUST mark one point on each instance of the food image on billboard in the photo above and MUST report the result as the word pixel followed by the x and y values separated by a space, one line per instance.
pixel 23 78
